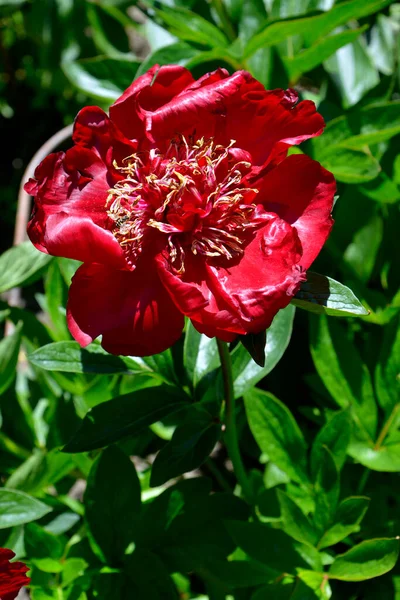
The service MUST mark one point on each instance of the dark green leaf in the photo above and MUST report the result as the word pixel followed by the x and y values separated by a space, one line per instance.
pixel 149 576
pixel 295 522
pixel 327 489
pixel 17 508
pixel 255 346
pixel 40 544
pixel 126 415
pixel 369 559
pixel 277 433
pixel 236 574
pixel 159 513
pixel 335 435
pixel 192 442
pixel 272 547
pixel 387 373
pixel 348 516
pixel 323 295
pixel 21 265
pixel 112 502
pixel 343 372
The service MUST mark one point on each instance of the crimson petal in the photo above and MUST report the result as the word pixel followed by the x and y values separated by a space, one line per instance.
pixel 131 310
pixel 301 192
pixel 155 88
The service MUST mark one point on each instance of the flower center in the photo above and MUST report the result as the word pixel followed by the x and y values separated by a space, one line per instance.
pixel 195 194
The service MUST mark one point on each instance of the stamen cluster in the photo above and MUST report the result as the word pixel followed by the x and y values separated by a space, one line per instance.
pixel 196 194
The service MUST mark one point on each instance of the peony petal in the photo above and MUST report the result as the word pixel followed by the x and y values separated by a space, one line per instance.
pixel 267 276
pixel 131 310
pixel 301 192
pixel 94 130
pixel 244 296
pixel 226 107
pixel 81 239
pixel 12 575
pixel 193 294
pixel 69 217
pixel 155 88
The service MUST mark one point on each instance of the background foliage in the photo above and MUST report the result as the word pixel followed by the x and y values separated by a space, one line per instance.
pixel 320 432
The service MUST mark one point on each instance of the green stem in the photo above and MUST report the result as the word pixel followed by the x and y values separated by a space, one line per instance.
pixel 386 427
pixel 224 18
pixel 231 435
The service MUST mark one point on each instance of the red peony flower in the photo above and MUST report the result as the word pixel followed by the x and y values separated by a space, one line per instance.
pixel 12 575
pixel 183 202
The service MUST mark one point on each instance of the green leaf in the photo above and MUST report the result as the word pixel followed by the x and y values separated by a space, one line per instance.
pixel 327 489
pixel 17 508
pixel 9 351
pixel 272 547
pixel 295 522
pixel 312 28
pixel 335 435
pixel 179 53
pixel 371 558
pixel 70 357
pixel 72 569
pixel 112 503
pixel 236 574
pixel 277 433
pixel 308 59
pixel 382 42
pixel 353 71
pixel 348 516
pixel 192 442
pixel 323 295
pixel 21 265
pixel 382 189
pixel 362 252
pixel 40 470
pixel 350 166
pixel 42 546
pixel 191 27
pixel 377 122
pixel 149 577
pixel 343 373
pixel 55 301
pixel 159 514
pixel 115 585
pixel 200 354
pixel 255 346
pixel 385 458
pixel 101 77
pixel 246 372
pixel 126 415
pixel 387 373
